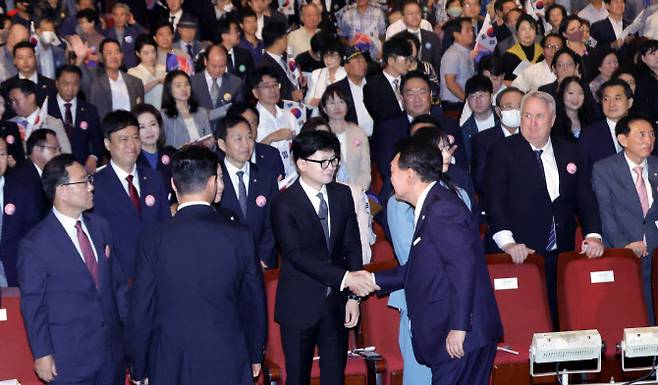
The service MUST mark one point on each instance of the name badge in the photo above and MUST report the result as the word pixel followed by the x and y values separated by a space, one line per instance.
pixel 506 283
pixel 602 276
pixel 3 314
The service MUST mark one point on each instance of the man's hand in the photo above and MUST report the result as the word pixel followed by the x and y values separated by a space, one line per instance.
pixel 592 247
pixel 351 313
pixel 639 248
pixel 297 95
pixel 45 368
pixel 255 370
pixel 360 283
pixel 280 134
pixel 79 47
pixel 455 343
pixel 518 251
pixel 91 164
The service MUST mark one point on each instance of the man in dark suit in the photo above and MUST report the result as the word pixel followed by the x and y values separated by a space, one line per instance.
pixel 353 85
pixel 381 94
pixel 478 90
pixel 129 196
pixel 220 321
pixel 25 60
pixel 316 230
pixel 625 185
pixel 215 88
pixel 455 332
pixel 12 136
pixel 124 33
pixel 248 189
pixel 598 140
pixel 239 60
pixel 19 213
pixel 188 29
pixel 276 43
pixel 80 118
pixel 125 91
pixel 607 32
pixel 508 110
pixel 534 188
pixel 430 45
pixel 73 292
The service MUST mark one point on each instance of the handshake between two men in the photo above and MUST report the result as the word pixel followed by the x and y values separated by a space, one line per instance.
pixel 360 282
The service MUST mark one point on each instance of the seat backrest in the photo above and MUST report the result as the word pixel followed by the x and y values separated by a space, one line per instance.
pixel 601 293
pixel 382 251
pixel 520 292
pixel 380 323
pixel 15 356
pixel 274 350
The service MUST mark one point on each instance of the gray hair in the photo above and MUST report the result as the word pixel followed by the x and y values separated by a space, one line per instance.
pixel 547 98
pixel 125 6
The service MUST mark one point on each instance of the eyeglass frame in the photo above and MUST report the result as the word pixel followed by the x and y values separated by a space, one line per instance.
pixel 89 180
pixel 324 164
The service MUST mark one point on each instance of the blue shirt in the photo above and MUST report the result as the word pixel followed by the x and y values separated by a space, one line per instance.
pixel 152 158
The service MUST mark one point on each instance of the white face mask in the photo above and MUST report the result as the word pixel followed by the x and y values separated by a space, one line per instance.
pixel 48 37
pixel 511 118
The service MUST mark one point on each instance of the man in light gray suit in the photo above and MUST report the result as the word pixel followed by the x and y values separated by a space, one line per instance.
pixel 624 184
pixel 228 89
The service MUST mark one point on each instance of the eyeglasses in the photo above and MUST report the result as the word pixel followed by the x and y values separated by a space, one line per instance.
pixel 272 86
pixel 510 107
pixel 89 180
pixel 408 59
pixel 326 162
pixel 478 95
pixel 565 65
pixel 553 47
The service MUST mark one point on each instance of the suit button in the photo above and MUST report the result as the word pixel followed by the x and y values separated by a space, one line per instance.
pixel 102 324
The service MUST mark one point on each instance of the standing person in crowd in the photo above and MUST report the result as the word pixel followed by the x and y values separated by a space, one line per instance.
pixel 608 62
pixel 149 71
pixel 12 136
pixel 421 65
pixel 565 63
pixel 125 33
pixel 317 233
pixel 555 15
pixel 154 154
pixel 88 22
pixel 526 51
pixel 221 319
pixel 16 34
pixel 188 29
pixel 238 60
pixel 73 312
pixel 646 92
pixel 130 197
pixel 249 40
pixel 331 73
pixel 299 39
pixel 163 34
pixel 248 189
pixel 275 42
pixel 478 97
pixel 627 74
pixel 50 54
pixel 362 21
pixel 575 109
pixel 276 126
pixel 539 74
pixel 534 188
pixel 457 63
pixel 510 19
pixel 608 32
pixel 428 47
pixel 80 118
pixel 411 21
pixel 627 224
pixel 353 85
pixel 185 121
pixel 19 214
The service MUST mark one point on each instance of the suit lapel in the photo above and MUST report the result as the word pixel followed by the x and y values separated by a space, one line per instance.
pixel 334 213
pixel 70 253
pixel 230 194
pixel 104 82
pixel 627 182
pixel 102 249
pixel 119 191
pixel 307 210
pixel 652 163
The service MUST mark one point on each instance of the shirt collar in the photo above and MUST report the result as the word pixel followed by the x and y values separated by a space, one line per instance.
pixel 547 147
pixel 208 77
pixel 34 78
pixel 177 15
pixel 32 118
pixel 65 220
pixel 421 201
pixel 352 84
pixel 310 191
pixel 122 174
pixel 632 165
pixel 276 57
pixel 391 78
pixel 232 170
pixel 192 203
pixel 61 101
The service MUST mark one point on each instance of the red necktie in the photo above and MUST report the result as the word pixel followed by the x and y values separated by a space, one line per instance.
pixel 87 252
pixel 134 197
pixel 68 120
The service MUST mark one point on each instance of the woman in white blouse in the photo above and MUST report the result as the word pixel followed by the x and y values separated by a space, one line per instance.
pixel 148 71
pixel 332 72
pixel 184 120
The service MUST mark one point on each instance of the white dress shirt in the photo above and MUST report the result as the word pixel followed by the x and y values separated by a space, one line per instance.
pixel 612 125
pixel 122 177
pixel 192 203
pixel 645 176
pixel 399 26
pixel 617 26
pixel 232 173
pixel 62 107
pixel 120 95
pixel 399 87
pixel 177 17
pixel 312 193
pixel 593 14
pixel 34 78
pixel 362 114
pixel 269 123
pixel 69 226
pixel 420 202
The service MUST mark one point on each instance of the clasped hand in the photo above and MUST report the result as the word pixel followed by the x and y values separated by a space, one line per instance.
pixel 361 283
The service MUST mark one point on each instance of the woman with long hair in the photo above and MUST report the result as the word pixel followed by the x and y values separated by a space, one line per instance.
pixel 646 92
pixel 575 108
pixel 148 70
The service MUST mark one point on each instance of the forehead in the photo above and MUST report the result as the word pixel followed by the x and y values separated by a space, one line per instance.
pixel 510 97
pixel 553 40
pixel 76 171
pixel 146 116
pixel 267 79
pixel 613 90
pixel 179 79
pixel 640 125
pixel 239 128
pixel 323 154
pixel 410 7
pixel 565 57
pixel 126 131
pixel 25 51
pixel 111 47
pixel 415 83
pixel 536 105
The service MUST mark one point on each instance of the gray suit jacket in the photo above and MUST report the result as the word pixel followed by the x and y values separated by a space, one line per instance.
pixel 230 91
pixel 619 204
pixel 175 130
pixel 97 89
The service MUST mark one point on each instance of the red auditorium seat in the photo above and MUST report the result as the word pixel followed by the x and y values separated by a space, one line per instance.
pixel 376 181
pixel 654 281
pixel 15 356
pixel 355 373
pixel 380 325
pixel 382 251
pixel 519 324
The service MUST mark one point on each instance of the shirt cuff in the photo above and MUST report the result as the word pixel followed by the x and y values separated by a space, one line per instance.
pixel 594 235
pixel 342 283
pixel 503 237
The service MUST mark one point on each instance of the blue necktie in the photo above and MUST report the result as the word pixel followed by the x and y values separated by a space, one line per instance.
pixel 242 193
pixel 552 236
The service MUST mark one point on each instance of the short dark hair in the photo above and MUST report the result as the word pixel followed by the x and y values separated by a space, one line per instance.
pixel 492 63
pixel 623 126
pixel 224 25
pixel 422 156
pixel 616 82
pixel 553 6
pixel 54 174
pixel 320 40
pixel 191 168
pixel 118 120
pixel 410 37
pixel 144 108
pixel 414 75
pixel 26 86
pixel 527 18
pixel 67 68
pixel 608 1
pixel 226 123
pixel 554 35
pixel 168 101
pixel 23 44
pixel 106 41
pixel 313 124
pixel 454 26
pixel 144 40
pixel 332 91
pixel 505 91
pixel 396 46
pixel 262 71
pixel 478 83
pixel 498 4
pixel 308 143
pixel 273 32
pixel 238 108
pixel 567 20
pixel 38 138
pixel 246 12
pixel 163 24
pixel 331 46
pixel 89 14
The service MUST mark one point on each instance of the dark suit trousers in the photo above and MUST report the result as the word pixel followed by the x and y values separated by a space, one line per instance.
pixel 330 335
pixel 110 373
pixel 550 266
pixel 472 369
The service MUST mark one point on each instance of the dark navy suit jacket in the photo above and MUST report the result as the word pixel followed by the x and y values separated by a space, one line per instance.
pixel 165 156
pixel 19 215
pixel 595 143
pixel 380 100
pixel 446 280
pixel 45 87
pixel 26 173
pixel 65 314
pixel 262 184
pixel 112 202
pixel 87 138
pixel 603 32
pixel 344 85
pixel 130 34
pixel 482 142
pixel 9 131
pixel 517 199
pixel 469 129
pixel 267 157
pixel 198 302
